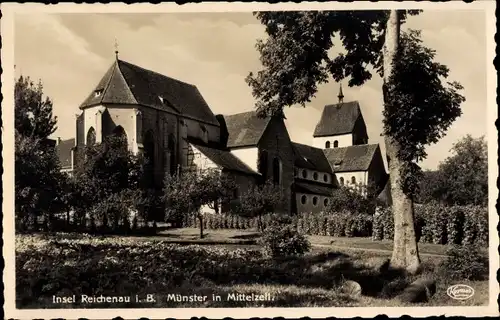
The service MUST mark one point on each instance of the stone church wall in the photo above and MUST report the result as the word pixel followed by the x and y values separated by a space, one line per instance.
pixel 276 141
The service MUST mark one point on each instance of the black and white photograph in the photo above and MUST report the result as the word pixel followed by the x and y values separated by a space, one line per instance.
pixel 205 159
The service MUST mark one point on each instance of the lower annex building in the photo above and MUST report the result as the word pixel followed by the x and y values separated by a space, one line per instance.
pixel 170 122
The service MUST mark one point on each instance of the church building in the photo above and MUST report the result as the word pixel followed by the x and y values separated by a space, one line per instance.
pixel 170 122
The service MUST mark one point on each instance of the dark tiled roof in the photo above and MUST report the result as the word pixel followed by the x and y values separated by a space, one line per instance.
pixel 337 119
pixel 225 159
pixel 352 158
pixel 64 152
pixel 125 83
pixel 310 158
pixel 245 129
pixel 313 189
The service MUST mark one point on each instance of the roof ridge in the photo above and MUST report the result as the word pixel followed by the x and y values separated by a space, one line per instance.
pixel 157 73
pixel 124 79
pixel 114 66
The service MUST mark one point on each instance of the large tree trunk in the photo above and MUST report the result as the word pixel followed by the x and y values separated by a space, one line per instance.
pixel 405 253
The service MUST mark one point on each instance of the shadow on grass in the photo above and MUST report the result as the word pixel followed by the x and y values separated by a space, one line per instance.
pixel 113 269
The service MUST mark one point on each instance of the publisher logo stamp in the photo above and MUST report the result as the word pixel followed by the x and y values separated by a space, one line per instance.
pixel 460 292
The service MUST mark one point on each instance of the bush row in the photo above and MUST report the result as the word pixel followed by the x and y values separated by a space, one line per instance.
pixel 439 224
pixel 435 223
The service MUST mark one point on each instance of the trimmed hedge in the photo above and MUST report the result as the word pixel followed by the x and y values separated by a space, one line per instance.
pixel 439 224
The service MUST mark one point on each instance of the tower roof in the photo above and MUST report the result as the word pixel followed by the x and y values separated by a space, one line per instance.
pixel 126 83
pixel 337 119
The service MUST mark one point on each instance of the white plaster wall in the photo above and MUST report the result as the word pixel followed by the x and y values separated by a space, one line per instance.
pixel 361 177
pixel 248 155
pixel 344 140
pixel 201 161
pixel 90 120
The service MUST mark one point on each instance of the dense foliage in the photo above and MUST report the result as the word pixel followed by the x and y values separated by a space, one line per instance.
pixel 107 191
pixel 187 193
pixel 465 263
pixel 440 224
pixel 39 184
pixel 349 199
pixel 260 200
pixel 462 178
pixel 415 91
pixel 281 239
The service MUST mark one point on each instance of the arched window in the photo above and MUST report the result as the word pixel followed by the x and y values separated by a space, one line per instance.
pixel 315 201
pixel 325 177
pixel 315 176
pixel 120 133
pixel 276 171
pixel 335 144
pixel 325 202
pixel 303 199
pixel 171 148
pixel 149 154
pixel 304 174
pixel 353 180
pixel 341 180
pixel 262 165
pixel 91 137
pixel 327 145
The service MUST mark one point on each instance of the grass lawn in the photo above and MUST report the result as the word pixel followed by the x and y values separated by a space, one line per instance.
pixel 65 265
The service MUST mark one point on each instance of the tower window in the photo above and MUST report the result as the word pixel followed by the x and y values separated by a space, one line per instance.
pixel 277 171
pixel 304 174
pixel 315 176
pixel 325 177
pixel 335 144
pixel 315 201
pixel 327 145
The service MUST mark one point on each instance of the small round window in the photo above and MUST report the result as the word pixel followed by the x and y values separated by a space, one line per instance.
pixel 304 174
pixel 315 201
pixel 315 176
pixel 303 199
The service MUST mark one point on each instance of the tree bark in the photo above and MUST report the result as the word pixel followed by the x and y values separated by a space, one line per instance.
pixel 200 220
pixel 405 252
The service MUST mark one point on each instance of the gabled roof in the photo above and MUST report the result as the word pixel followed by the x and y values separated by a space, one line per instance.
pixel 63 150
pixel 309 157
pixel 311 188
pixel 337 119
pixel 126 83
pixel 352 158
pixel 245 129
pixel 225 159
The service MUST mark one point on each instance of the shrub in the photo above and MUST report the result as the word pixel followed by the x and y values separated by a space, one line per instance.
pixel 281 239
pixel 465 263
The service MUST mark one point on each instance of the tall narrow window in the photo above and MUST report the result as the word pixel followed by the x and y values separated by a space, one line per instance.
pixel 91 138
pixel 262 165
pixel 171 149
pixel 341 180
pixel 353 180
pixel 149 154
pixel 119 133
pixel 327 145
pixel 276 171
pixel 335 144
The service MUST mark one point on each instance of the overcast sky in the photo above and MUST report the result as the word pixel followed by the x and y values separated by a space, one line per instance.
pixel 216 51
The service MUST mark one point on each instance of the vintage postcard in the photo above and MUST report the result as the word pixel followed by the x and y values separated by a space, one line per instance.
pixel 249 160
